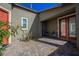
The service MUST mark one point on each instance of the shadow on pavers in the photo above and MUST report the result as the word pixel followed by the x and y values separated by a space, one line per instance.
pixel 68 49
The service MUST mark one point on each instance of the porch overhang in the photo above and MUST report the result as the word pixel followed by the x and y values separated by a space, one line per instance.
pixel 61 12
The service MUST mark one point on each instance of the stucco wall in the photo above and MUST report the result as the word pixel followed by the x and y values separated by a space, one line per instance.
pixel 52 25
pixel 6 5
pixel 17 13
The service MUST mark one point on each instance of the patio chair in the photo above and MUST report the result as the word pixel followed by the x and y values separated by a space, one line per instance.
pixel 54 34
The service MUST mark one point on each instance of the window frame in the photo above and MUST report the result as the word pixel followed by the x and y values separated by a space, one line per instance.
pixel 26 23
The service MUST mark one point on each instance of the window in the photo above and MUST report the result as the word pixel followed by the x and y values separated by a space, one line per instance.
pixel 72 26
pixel 24 23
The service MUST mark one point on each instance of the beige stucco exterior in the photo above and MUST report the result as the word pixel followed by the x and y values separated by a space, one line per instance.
pixel 35 20
pixel 15 20
pixel 52 25
pixel 17 14
pixel 6 6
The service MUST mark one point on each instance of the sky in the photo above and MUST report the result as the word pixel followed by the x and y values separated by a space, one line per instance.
pixel 39 6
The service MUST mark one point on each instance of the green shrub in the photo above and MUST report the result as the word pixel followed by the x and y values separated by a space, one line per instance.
pixel 14 30
pixel 3 33
pixel 1 50
pixel 29 37
pixel 2 24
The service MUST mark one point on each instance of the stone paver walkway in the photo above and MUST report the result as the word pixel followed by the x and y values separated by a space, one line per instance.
pixel 30 48
pixel 64 48
pixel 41 47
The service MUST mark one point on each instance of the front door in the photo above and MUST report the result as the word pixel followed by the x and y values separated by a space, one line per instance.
pixel 4 18
pixel 67 28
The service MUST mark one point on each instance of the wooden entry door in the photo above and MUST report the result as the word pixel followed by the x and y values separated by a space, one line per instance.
pixel 67 28
pixel 4 18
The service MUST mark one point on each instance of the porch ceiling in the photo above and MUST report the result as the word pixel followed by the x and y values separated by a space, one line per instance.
pixel 58 13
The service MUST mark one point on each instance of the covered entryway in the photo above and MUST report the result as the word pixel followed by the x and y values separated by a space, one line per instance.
pixel 4 17
pixel 67 27
pixel 49 28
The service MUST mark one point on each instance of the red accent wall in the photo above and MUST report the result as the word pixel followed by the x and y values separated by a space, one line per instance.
pixel 4 18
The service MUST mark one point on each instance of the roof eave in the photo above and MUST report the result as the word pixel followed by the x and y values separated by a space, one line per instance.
pixel 15 4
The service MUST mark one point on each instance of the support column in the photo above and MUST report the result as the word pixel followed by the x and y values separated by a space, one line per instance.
pixel 77 24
